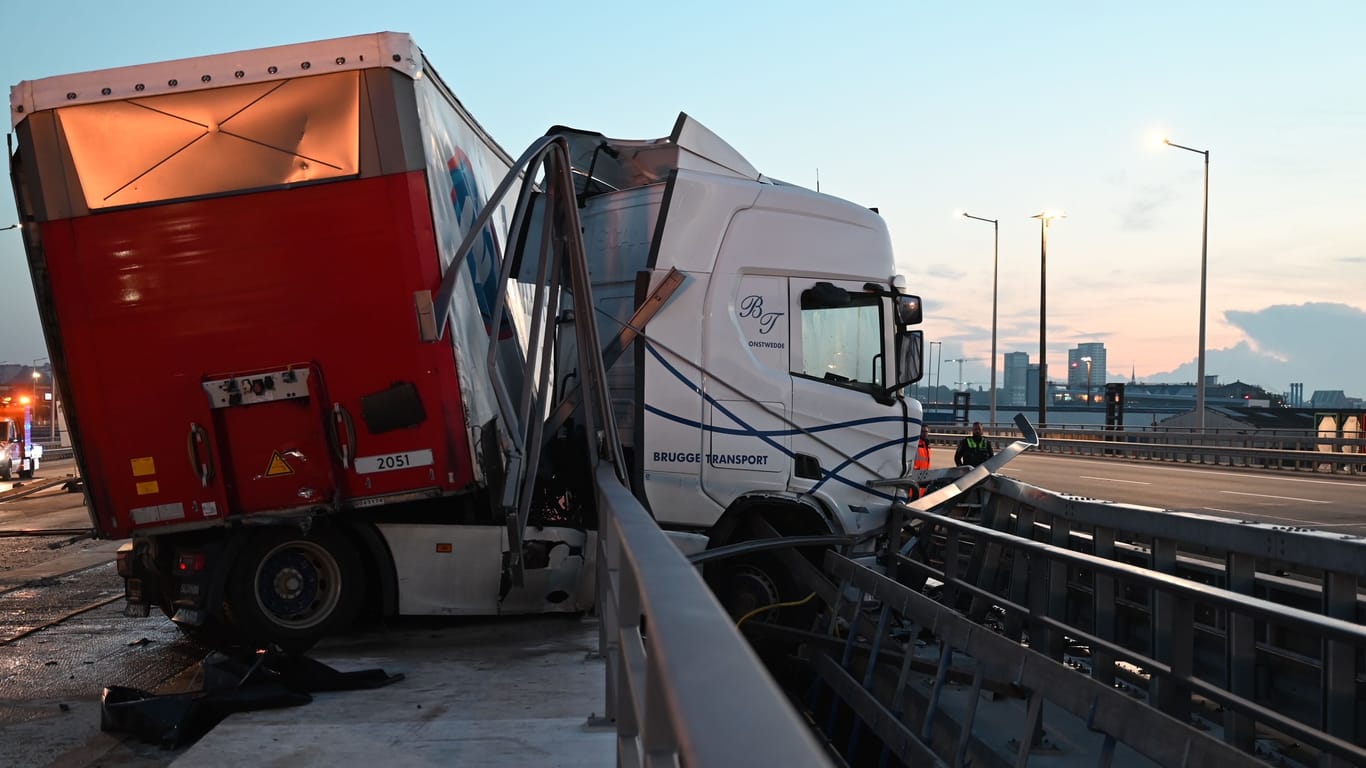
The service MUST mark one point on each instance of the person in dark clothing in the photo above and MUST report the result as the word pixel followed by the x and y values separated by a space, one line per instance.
pixel 973 449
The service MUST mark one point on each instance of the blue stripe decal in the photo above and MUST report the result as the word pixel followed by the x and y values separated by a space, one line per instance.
pixel 768 435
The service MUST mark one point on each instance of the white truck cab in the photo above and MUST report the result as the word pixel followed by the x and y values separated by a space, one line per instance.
pixel 770 383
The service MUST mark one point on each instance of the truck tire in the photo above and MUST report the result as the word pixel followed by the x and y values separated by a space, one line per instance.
pixel 290 589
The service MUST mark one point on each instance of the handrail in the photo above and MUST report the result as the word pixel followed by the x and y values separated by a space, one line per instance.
pixel 1282 452
pixel 695 694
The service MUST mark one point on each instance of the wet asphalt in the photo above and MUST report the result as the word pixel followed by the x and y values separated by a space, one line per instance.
pixel 63 638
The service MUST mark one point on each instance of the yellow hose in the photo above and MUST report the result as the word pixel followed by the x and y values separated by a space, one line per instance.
pixel 771 606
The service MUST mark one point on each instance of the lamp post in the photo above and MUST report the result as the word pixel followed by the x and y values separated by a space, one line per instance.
pixel 1044 219
pixel 995 267
pixel 37 375
pixel 937 367
pixel 1087 360
pixel 958 360
pixel 1204 253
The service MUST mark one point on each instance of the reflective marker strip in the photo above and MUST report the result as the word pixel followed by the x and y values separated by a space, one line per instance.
pixel 143 515
pixel 388 462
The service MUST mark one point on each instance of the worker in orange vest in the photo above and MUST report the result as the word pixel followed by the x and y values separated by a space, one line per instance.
pixel 922 452
pixel 922 461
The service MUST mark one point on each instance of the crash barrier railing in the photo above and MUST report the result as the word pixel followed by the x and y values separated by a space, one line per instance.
pixel 926 724
pixel 1284 450
pixel 1254 631
pixel 682 683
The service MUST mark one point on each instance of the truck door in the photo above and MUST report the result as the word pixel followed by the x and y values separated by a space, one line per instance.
pixel 270 430
pixel 841 362
pixel 745 445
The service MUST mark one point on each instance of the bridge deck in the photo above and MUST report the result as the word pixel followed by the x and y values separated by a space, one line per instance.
pixel 513 691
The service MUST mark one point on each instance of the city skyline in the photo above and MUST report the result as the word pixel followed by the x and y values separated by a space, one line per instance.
pixel 997 110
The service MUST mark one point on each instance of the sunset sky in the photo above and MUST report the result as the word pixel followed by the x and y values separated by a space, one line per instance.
pixel 918 109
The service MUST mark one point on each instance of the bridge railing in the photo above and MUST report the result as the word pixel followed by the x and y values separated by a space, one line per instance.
pixel 1294 450
pixel 682 683
pixel 1256 630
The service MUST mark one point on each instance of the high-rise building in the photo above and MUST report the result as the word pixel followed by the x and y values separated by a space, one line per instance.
pixel 1032 384
pixel 1015 389
pixel 1076 368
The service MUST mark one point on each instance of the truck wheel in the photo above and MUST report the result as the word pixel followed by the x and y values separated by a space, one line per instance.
pixel 291 589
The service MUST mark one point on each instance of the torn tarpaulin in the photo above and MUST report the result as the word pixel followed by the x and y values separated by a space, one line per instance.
pixel 243 683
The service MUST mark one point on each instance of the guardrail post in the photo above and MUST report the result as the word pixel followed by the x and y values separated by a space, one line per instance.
pixel 1103 606
pixel 609 626
pixel 1339 670
pixel 1240 646
pixel 1061 532
pixel 1173 619
pixel 1020 572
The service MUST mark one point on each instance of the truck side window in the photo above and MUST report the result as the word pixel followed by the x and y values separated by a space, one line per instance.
pixel 842 337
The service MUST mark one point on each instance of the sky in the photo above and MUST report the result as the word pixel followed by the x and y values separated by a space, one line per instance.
pixel 999 109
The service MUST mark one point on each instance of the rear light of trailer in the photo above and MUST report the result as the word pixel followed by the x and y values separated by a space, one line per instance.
pixel 190 563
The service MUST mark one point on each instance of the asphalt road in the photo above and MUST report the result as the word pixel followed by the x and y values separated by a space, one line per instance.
pixel 1331 503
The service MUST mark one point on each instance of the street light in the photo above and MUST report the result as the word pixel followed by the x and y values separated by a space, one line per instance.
pixel 1087 360
pixel 1204 253
pixel 37 375
pixel 995 266
pixel 1044 219
pixel 937 367
pixel 958 360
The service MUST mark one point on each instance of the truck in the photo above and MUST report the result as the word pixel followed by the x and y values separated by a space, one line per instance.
pixel 19 455
pixel 296 299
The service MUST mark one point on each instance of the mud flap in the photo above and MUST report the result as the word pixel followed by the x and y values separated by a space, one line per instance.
pixel 232 683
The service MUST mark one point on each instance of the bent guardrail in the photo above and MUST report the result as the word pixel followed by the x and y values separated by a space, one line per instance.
pixel 1254 630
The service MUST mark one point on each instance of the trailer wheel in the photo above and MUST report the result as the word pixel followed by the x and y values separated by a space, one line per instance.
pixel 291 589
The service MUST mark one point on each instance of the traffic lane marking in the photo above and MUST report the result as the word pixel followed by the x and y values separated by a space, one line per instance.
pixel 1269 474
pixel 1283 498
pixel 1114 480
pixel 1314 523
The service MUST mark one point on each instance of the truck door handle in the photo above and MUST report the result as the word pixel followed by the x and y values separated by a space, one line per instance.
pixel 201 454
pixel 341 421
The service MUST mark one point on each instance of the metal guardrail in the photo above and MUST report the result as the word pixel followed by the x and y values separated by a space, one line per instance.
pixel 1191 612
pixel 680 677
pixel 1276 450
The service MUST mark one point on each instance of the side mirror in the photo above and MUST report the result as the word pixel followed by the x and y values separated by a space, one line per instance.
pixel 910 357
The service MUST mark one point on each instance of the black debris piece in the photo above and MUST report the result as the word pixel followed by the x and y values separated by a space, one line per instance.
pixel 232 683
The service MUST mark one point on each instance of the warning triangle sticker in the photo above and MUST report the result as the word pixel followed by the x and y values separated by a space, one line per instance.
pixel 278 467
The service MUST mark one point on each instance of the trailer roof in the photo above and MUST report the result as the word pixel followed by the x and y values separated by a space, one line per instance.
pixel 382 49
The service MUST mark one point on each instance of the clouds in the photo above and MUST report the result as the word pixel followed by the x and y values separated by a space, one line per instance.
pixel 1316 343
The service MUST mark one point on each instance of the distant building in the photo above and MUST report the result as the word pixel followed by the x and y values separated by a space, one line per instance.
pixel 1032 385
pixel 1329 399
pixel 1016 385
pixel 1077 368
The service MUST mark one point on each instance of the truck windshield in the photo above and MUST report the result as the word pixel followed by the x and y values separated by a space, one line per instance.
pixel 842 336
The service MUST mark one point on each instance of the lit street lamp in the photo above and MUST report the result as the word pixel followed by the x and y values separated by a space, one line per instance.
pixel 38 375
pixel 995 266
pixel 1044 219
pixel 1204 252
pixel 1087 360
